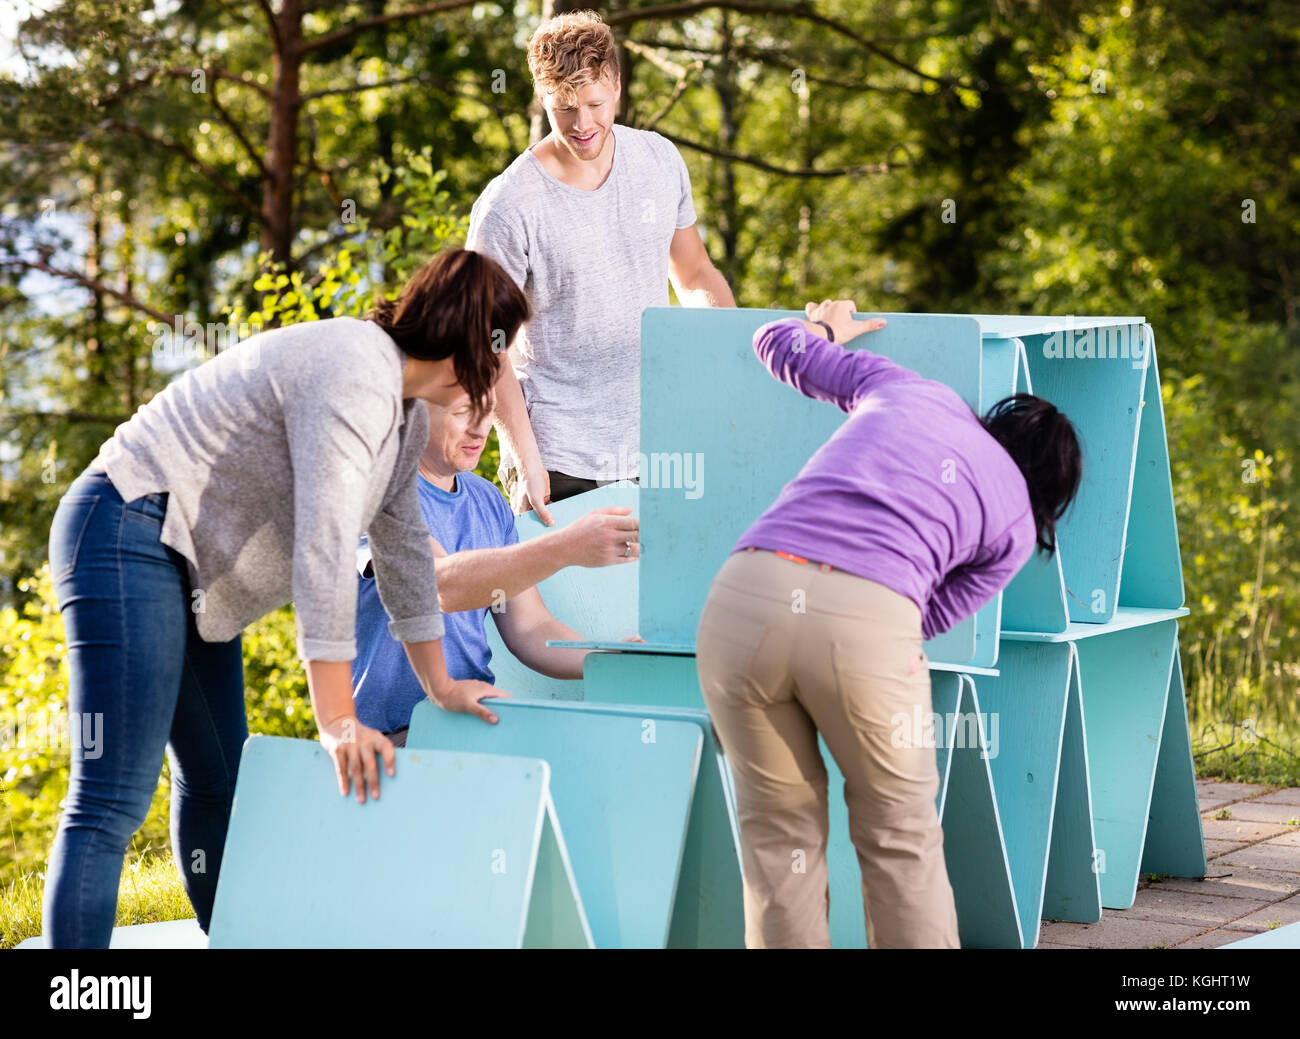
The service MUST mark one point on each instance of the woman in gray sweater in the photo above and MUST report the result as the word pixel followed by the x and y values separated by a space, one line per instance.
pixel 245 484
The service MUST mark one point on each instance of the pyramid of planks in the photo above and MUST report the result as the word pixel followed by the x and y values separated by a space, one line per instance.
pixel 1067 767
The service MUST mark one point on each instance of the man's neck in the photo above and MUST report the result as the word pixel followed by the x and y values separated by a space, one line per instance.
pixel 446 483
pixel 560 163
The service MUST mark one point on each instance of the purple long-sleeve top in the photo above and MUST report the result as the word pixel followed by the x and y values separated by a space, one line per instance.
pixel 911 492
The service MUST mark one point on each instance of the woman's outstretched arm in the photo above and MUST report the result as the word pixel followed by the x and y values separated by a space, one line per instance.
pixel 798 353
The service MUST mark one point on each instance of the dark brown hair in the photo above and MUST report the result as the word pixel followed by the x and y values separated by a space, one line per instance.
pixel 462 305
pixel 1044 446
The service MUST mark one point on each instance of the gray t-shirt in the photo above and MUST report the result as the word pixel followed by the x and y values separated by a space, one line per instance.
pixel 590 262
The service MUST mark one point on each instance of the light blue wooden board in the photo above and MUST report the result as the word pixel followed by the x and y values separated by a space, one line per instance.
pixel 709 911
pixel 1125 617
pixel 623 795
pixel 1175 843
pixel 1102 398
pixel 649 648
pixel 751 441
pixel 1004 326
pixel 978 868
pixel 642 678
pixel 556 918
pixel 666 649
pixel 1025 711
pixel 1153 573
pixel 1073 890
pixel 662 686
pixel 169 934
pixel 1125 679
pixel 1035 598
pixel 447 857
pixel 998 363
pixel 1287 937
pixel 600 602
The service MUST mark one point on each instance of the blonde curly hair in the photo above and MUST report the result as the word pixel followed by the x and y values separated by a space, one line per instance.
pixel 569 51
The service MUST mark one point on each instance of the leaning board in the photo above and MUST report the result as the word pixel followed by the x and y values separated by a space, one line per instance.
pixel 460 851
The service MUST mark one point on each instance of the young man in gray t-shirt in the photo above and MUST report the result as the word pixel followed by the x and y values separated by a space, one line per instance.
pixel 592 223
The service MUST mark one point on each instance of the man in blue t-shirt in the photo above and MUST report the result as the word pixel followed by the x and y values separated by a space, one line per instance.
pixel 480 564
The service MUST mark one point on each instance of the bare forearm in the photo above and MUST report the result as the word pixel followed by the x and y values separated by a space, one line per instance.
pixel 511 420
pixel 707 289
pixel 429 666
pixel 480 577
pixel 531 649
pixel 329 682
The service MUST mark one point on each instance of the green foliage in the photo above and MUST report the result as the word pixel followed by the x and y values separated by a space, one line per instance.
pixel 34 752
pixel 275 685
pixel 345 281
pixel 34 742
pixel 1243 586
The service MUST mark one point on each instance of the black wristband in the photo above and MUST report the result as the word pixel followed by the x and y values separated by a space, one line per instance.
pixel 829 334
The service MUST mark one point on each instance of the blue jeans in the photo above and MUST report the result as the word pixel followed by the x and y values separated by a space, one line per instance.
pixel 143 679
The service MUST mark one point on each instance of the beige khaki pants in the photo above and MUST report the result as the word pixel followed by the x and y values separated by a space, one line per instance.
pixel 785 651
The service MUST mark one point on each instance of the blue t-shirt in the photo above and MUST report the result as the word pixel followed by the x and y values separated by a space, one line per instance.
pixel 475 515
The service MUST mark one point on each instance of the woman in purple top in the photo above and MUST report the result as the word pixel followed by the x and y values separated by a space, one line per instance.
pixel 912 516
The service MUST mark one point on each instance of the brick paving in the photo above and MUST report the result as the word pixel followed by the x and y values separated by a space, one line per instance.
pixel 1252 881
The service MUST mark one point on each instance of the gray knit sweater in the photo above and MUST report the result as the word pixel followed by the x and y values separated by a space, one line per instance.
pixel 276 456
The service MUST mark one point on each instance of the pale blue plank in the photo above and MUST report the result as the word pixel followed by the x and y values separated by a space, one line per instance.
pixel 642 678
pixel 169 934
pixel 556 920
pixel 663 648
pixel 1153 572
pixel 622 793
pixel 1125 617
pixel 1025 710
pixel 1287 937
pixel 1073 890
pixel 621 646
pixel 1175 843
pixel 1102 396
pixel 1035 598
pixel 1124 677
pixel 445 858
pixel 709 912
pixel 978 867
pixel 1034 601
pixel 755 439
pixel 1005 326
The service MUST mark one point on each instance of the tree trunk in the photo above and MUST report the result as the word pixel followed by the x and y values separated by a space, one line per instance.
pixel 728 218
pixel 282 141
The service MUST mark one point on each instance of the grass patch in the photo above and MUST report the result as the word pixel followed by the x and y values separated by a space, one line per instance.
pixel 1238 752
pixel 150 891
